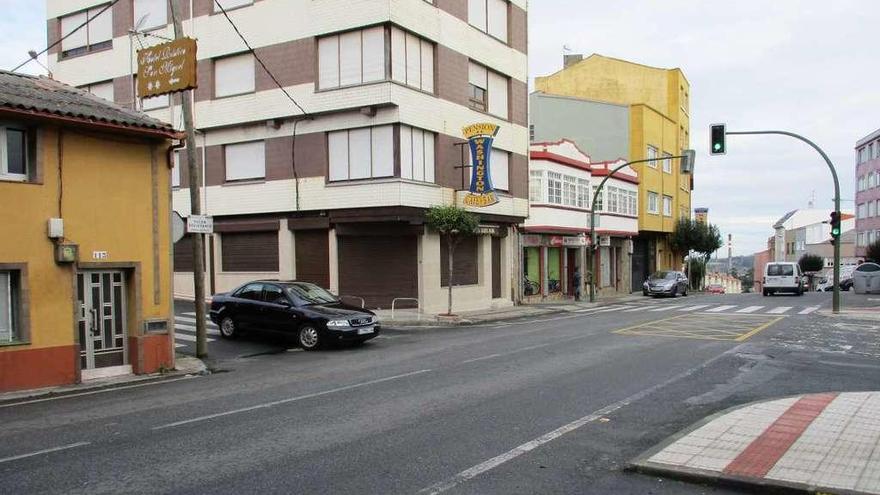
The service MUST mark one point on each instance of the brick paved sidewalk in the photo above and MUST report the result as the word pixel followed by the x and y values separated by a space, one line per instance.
pixel 812 443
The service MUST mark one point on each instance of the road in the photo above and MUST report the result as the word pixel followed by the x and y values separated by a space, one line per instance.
pixel 558 404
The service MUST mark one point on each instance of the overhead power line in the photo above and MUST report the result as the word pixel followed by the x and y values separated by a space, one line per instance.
pixel 59 40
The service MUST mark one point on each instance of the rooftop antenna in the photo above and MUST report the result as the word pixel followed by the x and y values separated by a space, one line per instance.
pixel 33 54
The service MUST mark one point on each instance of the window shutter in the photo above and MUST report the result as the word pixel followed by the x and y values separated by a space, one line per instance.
pixel 477 14
pixel 175 172
pixel 234 75
pixel 77 39
pixel 374 54
pixel 430 138
pixel 152 103
pixel 156 12
pixel 338 155
pixel 500 166
pixel 359 153
pixel 418 153
pixel 427 66
pixel 497 19
pixel 498 95
pixel 100 26
pixel 5 308
pixel 413 61
pixel 350 58
pixel 328 62
pixel 398 55
pixel 102 90
pixel 406 150
pixel 245 160
pixel 477 75
pixel 383 151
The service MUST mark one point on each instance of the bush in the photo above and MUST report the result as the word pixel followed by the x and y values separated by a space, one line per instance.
pixel 811 263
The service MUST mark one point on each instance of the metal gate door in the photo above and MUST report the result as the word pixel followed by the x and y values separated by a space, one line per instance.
pixel 101 319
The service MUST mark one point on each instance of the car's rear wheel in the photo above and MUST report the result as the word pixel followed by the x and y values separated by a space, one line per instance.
pixel 228 328
pixel 765 293
pixel 309 338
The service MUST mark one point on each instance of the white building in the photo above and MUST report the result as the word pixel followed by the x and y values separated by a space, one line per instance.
pixel 562 180
pixel 388 86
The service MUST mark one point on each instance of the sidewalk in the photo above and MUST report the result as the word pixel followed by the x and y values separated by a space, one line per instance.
pixel 185 366
pixel 410 317
pixel 804 444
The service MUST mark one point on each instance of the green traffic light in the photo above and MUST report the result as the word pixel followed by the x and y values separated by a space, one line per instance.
pixel 717 146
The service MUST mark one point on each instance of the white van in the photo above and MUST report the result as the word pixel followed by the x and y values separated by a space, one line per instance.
pixel 783 276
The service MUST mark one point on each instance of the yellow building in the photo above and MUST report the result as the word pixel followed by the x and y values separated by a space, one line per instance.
pixel 85 256
pixel 659 126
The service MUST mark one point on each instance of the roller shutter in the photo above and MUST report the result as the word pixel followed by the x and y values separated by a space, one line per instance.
pixel 378 269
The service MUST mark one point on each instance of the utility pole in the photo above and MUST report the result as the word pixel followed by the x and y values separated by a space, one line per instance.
pixel 729 254
pixel 195 201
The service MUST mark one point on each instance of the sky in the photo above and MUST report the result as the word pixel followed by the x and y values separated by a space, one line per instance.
pixel 809 66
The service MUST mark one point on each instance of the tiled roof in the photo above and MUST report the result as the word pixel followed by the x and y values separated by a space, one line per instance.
pixel 41 95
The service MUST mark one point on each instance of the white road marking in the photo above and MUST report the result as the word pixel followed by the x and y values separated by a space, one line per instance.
pixel 749 309
pixel 189 338
pixel 47 451
pixel 191 313
pixel 807 311
pixel 615 308
pixel 720 309
pixel 640 308
pixel 192 321
pixel 210 331
pixel 177 346
pixel 490 356
pixel 288 400
pixel 779 310
pixel 100 391
pixel 666 308
pixel 694 308
pixel 494 462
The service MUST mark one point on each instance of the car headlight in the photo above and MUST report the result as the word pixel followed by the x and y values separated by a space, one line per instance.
pixel 338 324
pixel 645 285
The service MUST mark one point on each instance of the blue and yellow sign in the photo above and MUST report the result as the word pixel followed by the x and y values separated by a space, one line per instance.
pixel 480 138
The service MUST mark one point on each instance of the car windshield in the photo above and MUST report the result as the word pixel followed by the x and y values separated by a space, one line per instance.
pixel 663 276
pixel 780 270
pixel 310 293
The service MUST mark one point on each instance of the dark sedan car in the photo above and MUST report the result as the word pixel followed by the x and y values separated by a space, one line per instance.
pixel 666 283
pixel 305 310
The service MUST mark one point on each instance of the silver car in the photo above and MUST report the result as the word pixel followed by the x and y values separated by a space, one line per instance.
pixel 666 283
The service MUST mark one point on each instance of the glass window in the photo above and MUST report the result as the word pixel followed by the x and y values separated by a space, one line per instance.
pixel 13 153
pixel 234 75
pixel 412 60
pixel 653 200
pixel 245 160
pixel 583 193
pixel 500 169
pixel 254 292
pixel 667 162
pixel 153 12
pixel 95 35
pixel 489 16
pixel 779 270
pixel 101 90
pixel 667 206
pixel 652 154
pixel 600 199
pixel 417 159
pixel 358 57
pixel 488 90
pixel 274 295
pixel 310 293
pixel 368 152
pixel 175 171
pixel 10 330
pixel 536 188
pixel 478 78
pixel 554 188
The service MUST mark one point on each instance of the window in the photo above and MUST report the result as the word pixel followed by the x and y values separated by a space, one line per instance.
pixel 368 152
pixel 175 171
pixel 583 193
pixel 667 162
pixel 634 203
pixel 499 165
pixel 245 160
pixel 536 187
pixel 653 206
pixel 416 154
pixel 154 102
pixel 872 209
pixel 569 190
pixel 531 133
pixel 231 4
pixel 96 35
pixel 652 154
pixel 667 206
pixel 489 16
pixel 14 154
pixel 554 188
pixel 860 211
pixel 412 60
pixel 600 199
pixel 234 75
pixel 488 90
pixel 861 239
pixel 11 327
pixel 101 90
pixel 154 13
pixel 872 182
pixel 613 199
pixel 351 58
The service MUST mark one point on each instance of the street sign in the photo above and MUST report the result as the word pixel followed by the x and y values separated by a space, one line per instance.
pixel 166 68
pixel 200 224
pixel 178 227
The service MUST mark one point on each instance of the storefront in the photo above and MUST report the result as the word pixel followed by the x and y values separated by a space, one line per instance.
pixel 550 262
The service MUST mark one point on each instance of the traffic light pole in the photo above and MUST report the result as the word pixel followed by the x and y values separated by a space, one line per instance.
pixel 835 300
pixel 594 236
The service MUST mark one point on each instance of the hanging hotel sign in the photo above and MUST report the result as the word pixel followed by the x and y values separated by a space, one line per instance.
pixel 166 68
pixel 480 138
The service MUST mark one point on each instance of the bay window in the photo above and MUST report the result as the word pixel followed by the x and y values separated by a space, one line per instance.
pixel 536 187
pixel 363 153
pixel 417 154
pixel 412 60
pixel 554 188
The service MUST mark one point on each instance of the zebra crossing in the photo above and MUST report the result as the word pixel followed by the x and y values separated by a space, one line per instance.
pixel 702 308
pixel 185 329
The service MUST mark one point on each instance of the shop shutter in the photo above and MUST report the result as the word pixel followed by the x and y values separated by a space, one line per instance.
pixel 465 267
pixel 378 268
pixel 496 267
pixel 313 257
pixel 249 251
pixel 183 254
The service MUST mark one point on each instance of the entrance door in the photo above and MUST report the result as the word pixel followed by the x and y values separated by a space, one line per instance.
pixel 572 267
pixel 101 319
pixel 639 264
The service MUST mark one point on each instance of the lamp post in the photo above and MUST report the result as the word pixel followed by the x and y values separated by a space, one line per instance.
pixel 688 164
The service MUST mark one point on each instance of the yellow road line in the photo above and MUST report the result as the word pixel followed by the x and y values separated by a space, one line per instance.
pixel 758 329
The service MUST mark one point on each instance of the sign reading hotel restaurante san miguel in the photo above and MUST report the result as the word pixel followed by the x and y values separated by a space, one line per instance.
pixel 480 138
pixel 166 68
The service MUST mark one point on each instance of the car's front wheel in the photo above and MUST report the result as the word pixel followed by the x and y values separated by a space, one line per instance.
pixel 228 328
pixel 309 338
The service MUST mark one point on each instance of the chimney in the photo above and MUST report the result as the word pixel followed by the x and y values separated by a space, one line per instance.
pixel 569 60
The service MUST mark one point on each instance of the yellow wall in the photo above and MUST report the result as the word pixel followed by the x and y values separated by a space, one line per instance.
pixel 106 206
pixel 659 116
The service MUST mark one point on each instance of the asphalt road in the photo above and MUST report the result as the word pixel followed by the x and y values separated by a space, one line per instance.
pixel 558 404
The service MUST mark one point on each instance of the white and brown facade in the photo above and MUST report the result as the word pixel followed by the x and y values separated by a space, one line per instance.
pixel 556 236
pixel 388 86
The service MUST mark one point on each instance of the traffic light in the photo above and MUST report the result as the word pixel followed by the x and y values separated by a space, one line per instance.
pixel 835 224
pixel 718 144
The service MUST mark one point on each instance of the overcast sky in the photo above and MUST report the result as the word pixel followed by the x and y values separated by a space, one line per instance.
pixel 808 66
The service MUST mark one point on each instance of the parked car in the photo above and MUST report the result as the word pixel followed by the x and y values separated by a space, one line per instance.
pixel 846 284
pixel 715 289
pixel 824 285
pixel 783 276
pixel 666 283
pixel 304 310
pixel 866 278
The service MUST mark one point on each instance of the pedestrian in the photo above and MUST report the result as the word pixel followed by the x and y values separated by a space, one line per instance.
pixel 576 281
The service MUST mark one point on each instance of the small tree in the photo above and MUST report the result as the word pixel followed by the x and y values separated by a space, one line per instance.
pixel 872 253
pixel 454 223
pixel 811 264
